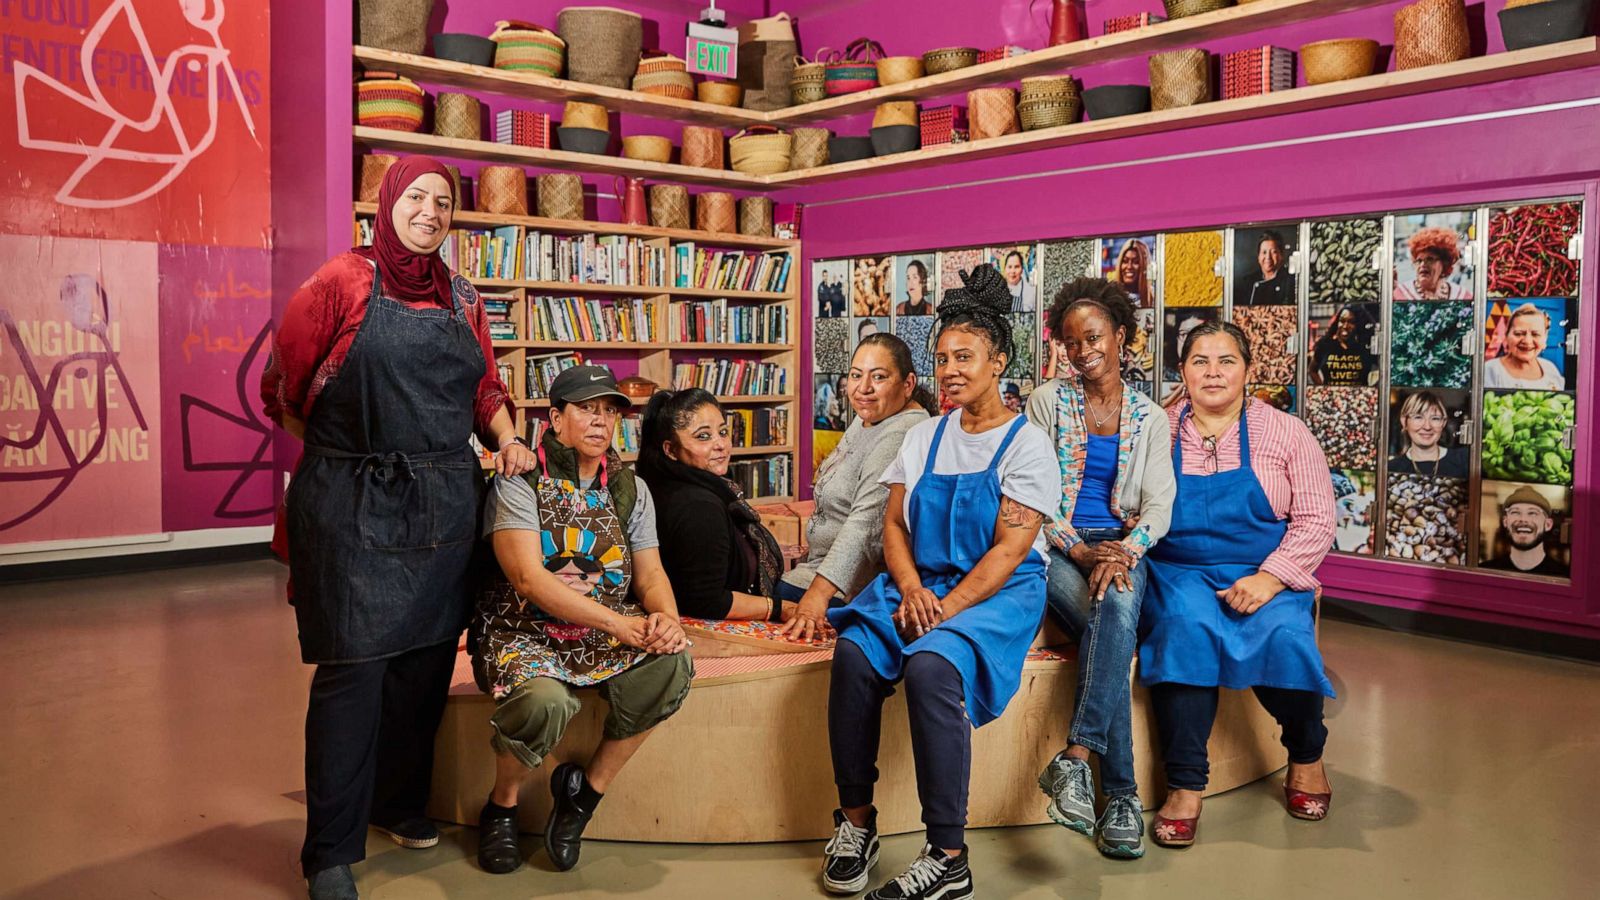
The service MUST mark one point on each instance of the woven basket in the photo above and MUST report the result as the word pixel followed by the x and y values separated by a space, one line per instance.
pixel 455 186
pixel 458 116
pixel 561 197
pixel 895 69
pixel 992 112
pixel 755 216
pixel 949 59
pixel 602 44
pixel 669 206
pixel 1430 32
pixel 503 190
pixel 1339 59
pixel 896 112
pixel 665 84
pixel 400 25
pixel 525 47
pixel 657 61
pixel 703 147
pixel 766 69
pixel 373 167
pixel 1177 9
pixel 1037 114
pixel 853 69
pixel 388 101
pixel 808 83
pixel 720 93
pixel 760 150
pixel 1048 87
pixel 648 147
pixel 1180 78
pixel 715 211
pixel 810 148
pixel 577 114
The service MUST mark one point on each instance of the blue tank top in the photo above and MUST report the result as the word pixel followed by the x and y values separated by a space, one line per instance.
pixel 1093 508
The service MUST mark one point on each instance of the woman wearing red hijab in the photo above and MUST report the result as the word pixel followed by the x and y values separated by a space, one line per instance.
pixel 382 365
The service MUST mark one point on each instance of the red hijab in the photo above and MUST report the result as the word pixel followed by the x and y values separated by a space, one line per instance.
pixel 407 275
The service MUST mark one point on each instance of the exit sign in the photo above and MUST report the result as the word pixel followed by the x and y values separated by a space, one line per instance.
pixel 712 51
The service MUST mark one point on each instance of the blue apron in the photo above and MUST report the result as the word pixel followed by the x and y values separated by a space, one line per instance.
pixel 1223 528
pixel 952 526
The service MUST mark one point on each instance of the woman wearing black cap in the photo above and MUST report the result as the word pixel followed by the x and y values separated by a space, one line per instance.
pixel 956 612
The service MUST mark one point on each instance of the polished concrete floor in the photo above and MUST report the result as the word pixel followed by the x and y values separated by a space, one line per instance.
pixel 152 738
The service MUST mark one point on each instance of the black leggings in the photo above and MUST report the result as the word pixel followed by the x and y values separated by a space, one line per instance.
pixel 941 737
pixel 1185 713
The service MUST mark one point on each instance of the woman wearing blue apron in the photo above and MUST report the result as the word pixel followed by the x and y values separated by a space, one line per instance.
pixel 956 612
pixel 1231 591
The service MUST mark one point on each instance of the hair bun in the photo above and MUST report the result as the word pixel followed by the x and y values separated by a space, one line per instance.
pixel 984 285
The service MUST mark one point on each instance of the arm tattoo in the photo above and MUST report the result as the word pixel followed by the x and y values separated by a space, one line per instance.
pixel 1015 515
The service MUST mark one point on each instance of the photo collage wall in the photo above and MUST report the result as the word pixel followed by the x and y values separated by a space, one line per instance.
pixel 1432 353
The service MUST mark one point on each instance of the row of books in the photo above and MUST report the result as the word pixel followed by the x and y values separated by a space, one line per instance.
pixel 732 377
pixel 731 270
pixel 590 319
pixel 719 322
pixel 758 427
pixel 768 477
pixel 544 368
pixel 626 438
pixel 593 259
pixel 476 253
pixel 502 326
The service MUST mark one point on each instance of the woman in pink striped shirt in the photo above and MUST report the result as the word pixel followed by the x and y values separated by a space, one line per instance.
pixel 1231 586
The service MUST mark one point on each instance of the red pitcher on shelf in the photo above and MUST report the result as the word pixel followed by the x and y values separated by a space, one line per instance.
pixel 630 196
pixel 1066 22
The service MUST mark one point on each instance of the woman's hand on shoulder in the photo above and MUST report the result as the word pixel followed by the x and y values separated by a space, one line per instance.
pixel 514 458
pixel 1251 592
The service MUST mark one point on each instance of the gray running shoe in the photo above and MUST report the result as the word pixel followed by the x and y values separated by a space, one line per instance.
pixel 1122 828
pixel 1070 786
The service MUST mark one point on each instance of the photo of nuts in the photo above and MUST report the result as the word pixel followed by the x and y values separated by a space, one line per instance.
pixel 1426 520
pixel 1345 422
pixel 1273 341
pixel 1343 256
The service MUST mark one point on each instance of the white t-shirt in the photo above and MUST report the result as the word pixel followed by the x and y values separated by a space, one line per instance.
pixel 1496 376
pixel 1029 472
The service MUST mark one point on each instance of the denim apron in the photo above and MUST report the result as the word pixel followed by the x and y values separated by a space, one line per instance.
pixel 952 526
pixel 1223 528
pixel 383 506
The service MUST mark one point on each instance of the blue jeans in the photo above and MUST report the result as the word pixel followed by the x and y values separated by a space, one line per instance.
pixel 1107 633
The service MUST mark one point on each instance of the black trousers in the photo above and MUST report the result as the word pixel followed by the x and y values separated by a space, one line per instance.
pixel 941 736
pixel 369 748
pixel 1185 714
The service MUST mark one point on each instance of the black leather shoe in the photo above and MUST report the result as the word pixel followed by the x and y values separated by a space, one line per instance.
pixel 563 834
pixel 332 883
pixel 498 850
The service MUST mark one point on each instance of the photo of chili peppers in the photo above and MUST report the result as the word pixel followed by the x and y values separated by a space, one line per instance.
pixel 1271 330
pixel 1525 436
pixel 1345 422
pixel 1343 256
pixel 1528 251
pixel 1425 342
pixel 1426 520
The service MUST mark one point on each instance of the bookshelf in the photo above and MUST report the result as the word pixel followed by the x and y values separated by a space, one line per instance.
pixel 720 311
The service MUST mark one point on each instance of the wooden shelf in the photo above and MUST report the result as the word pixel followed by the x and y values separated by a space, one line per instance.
pixel 528 86
pixel 1464 73
pixel 640 345
pixel 725 400
pixel 587 163
pixel 573 226
pixel 632 290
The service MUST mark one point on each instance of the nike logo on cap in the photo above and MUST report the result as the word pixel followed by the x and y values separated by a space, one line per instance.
pixel 596 377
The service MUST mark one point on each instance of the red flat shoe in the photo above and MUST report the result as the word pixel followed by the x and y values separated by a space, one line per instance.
pixel 1176 833
pixel 1311 807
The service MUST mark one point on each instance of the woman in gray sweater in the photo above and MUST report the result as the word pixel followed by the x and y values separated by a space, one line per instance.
pixel 845 535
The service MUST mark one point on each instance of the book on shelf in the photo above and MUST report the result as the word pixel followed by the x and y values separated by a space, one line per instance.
pixel 506 372
pixel 732 377
pixel 626 437
pixel 535 430
pixel 521 127
pixel 730 270
pixel 592 319
pixel 543 369
pixel 594 259
pixel 498 309
pixel 479 253
pixel 759 427
pixel 720 322
pixel 758 478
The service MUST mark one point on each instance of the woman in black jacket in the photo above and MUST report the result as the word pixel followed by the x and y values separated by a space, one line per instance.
pixel 723 563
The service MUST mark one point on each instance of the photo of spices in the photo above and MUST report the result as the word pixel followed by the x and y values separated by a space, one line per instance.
pixel 830 345
pixel 1528 251
pixel 1062 261
pixel 1433 256
pixel 1279 395
pixel 1426 520
pixel 1024 331
pixel 871 283
pixel 1425 344
pixel 953 262
pixel 1127 261
pixel 1273 339
pixel 1527 436
pixel 1355 502
pixel 1344 263
pixel 917 332
pixel 1189 269
pixel 1345 422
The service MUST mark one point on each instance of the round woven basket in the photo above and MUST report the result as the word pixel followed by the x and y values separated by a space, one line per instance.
pixel 853 69
pixel 1051 113
pixel 755 216
pixel 669 206
pixel 703 147
pixel 895 112
pixel 665 84
pixel 715 211
pixel 503 190
pixel 458 116
pixel 602 44
pixel 525 47
pixel 373 167
pixel 760 150
pixel 657 61
pixel 808 83
pixel 387 101
pixel 1048 87
pixel 1180 78
pixel 1177 9
pixel 992 112
pixel 1339 59
pixel 1430 32
pixel 577 114
pixel 949 59
pixel 810 148
pixel 648 147
pixel 561 197
pixel 895 69
pixel 720 93
pixel 400 25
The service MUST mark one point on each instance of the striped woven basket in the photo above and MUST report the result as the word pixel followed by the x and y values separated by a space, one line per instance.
pixel 853 69
pixel 389 101
pixel 525 47
pixel 809 81
pixel 656 61
pixel 665 84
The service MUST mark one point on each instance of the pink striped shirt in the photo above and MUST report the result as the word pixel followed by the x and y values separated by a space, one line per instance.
pixel 1293 472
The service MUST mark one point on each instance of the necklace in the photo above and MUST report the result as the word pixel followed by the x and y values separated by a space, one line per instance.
pixel 1437 461
pixel 1099 420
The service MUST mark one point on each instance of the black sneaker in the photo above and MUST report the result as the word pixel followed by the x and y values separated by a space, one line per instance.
pixel 415 833
pixel 931 876
pixel 849 857
pixel 563 833
pixel 498 850
pixel 332 883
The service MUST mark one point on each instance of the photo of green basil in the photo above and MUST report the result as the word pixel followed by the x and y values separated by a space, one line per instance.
pixel 1524 436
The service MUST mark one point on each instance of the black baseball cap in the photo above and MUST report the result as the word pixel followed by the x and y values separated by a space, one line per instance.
pixel 581 383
